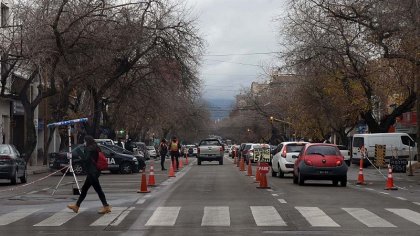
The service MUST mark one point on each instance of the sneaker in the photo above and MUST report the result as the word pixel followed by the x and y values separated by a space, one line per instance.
pixel 73 207
pixel 105 209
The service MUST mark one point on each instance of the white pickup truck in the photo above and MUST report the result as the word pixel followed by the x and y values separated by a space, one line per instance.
pixel 210 150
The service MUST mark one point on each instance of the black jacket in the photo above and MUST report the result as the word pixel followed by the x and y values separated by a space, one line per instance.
pixel 89 157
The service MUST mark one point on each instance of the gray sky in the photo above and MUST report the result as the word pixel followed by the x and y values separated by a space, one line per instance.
pixel 236 27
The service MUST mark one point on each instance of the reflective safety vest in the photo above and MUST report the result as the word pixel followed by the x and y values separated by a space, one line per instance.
pixel 174 146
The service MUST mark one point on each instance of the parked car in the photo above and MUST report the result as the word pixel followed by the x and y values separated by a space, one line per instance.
pixel 12 164
pixel 152 151
pixel 142 147
pixel 320 161
pixel 192 150
pixel 117 162
pixel 248 152
pixel 210 150
pixel 138 154
pixel 242 148
pixel 106 141
pixel 283 161
pixel 345 152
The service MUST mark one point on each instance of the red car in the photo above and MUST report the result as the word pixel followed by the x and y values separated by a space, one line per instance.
pixel 320 161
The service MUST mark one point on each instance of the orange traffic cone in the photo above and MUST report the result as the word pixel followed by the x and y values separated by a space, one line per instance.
pixel 143 186
pixel 390 180
pixel 242 165
pixel 360 178
pixel 257 174
pixel 152 181
pixel 181 163
pixel 249 169
pixel 186 159
pixel 263 182
pixel 234 159
pixel 171 170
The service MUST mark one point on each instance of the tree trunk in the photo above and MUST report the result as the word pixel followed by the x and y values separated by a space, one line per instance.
pixel 30 132
pixel 97 113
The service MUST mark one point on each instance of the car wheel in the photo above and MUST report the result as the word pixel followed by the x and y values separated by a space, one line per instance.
pixel 348 162
pixel 114 171
pixel 335 182
pixel 281 173
pixel 24 178
pixel 126 168
pixel 343 182
pixel 13 179
pixel 295 178
pixel 273 173
pixel 199 162
pixel 221 161
pixel 301 181
pixel 78 169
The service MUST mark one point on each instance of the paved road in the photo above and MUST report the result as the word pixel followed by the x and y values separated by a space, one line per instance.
pixel 214 200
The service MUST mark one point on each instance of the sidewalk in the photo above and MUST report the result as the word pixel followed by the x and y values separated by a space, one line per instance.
pixel 37 169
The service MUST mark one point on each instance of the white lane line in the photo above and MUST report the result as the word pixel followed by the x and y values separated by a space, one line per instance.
pixel 406 214
pixel 417 203
pixel 267 216
pixel 270 190
pixel 282 201
pixel 371 189
pixel 401 198
pixel 275 195
pixel 16 215
pixel 164 216
pixel 368 218
pixel 107 219
pixel 384 193
pixel 45 189
pixel 59 218
pixel 148 196
pixel 216 216
pixel 317 217
pixel 32 192
pixel 122 216
pixel 141 201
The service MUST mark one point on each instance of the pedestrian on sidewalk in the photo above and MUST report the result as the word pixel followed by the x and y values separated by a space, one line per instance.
pixel 163 150
pixel 175 147
pixel 89 158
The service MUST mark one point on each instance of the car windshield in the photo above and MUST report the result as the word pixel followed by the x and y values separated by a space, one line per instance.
pixel 209 143
pixel 247 147
pixel 119 149
pixel 294 148
pixel 322 150
pixel 4 149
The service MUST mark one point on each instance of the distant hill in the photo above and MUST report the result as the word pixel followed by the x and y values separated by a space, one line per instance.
pixel 220 108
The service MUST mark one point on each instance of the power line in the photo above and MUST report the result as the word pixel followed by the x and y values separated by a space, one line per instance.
pixel 241 54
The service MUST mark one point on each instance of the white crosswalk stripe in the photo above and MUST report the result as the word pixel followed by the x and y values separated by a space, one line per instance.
pixel 267 216
pixel 164 216
pixel 16 215
pixel 59 218
pixel 112 218
pixel 406 214
pixel 216 216
pixel 368 218
pixel 317 217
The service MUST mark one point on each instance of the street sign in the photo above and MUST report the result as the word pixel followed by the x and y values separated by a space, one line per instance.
pixel 398 165
pixel 264 168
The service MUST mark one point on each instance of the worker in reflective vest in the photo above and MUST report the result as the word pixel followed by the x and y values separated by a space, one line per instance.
pixel 174 148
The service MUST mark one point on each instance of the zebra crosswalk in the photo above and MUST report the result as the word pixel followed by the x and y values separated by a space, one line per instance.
pixel 221 216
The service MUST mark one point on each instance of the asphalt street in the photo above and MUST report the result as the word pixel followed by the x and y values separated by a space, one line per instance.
pixel 214 199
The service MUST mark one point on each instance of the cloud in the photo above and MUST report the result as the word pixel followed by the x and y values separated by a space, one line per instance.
pixel 236 27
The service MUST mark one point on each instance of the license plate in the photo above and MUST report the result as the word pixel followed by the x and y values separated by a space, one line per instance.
pixel 323 172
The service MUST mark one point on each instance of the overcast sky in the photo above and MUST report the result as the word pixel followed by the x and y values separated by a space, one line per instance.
pixel 236 27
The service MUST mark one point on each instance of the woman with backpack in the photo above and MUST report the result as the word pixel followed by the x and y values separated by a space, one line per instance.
pixel 90 158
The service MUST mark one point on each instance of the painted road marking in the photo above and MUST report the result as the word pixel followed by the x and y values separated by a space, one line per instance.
pixel 141 201
pixel 417 203
pixel 406 214
pixel 16 215
pixel 59 218
pixel 267 216
pixel 275 195
pixel 368 218
pixel 401 198
pixel 216 216
pixel 317 217
pixel 164 216
pixel 282 201
pixel 109 218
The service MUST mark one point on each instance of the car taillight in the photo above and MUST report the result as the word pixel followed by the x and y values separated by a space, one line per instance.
pixel 221 149
pixel 308 162
pixel 338 163
pixel 283 154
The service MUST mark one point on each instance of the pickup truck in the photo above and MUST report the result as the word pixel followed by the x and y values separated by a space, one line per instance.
pixel 210 150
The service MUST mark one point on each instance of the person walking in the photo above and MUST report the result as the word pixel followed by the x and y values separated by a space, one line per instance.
pixel 175 146
pixel 163 150
pixel 89 157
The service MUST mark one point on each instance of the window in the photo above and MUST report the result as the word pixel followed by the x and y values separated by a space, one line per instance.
pixel 358 142
pixel 210 143
pixel 407 141
pixel 294 147
pixel 4 15
pixel 324 150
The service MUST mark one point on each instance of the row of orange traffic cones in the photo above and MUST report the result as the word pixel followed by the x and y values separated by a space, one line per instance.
pixel 152 182
pixel 260 178
pixel 389 181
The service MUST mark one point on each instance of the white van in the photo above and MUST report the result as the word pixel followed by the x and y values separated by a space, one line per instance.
pixel 400 144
